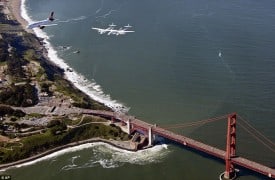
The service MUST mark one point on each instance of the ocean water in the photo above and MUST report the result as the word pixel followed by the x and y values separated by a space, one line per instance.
pixel 186 61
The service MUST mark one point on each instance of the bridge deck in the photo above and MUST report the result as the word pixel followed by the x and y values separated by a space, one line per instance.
pixel 189 142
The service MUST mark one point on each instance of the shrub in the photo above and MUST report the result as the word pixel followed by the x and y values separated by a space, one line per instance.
pixel 7 110
pixel 20 95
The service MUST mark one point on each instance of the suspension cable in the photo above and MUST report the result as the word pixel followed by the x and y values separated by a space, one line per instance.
pixel 256 137
pixel 263 136
pixel 182 125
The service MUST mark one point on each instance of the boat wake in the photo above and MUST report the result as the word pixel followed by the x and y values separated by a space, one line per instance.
pixel 227 66
pixel 101 6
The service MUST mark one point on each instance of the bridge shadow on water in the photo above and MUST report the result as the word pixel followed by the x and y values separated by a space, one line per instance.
pixel 242 172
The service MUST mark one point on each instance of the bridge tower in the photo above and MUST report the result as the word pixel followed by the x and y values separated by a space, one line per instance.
pixel 150 136
pixel 230 147
pixel 129 126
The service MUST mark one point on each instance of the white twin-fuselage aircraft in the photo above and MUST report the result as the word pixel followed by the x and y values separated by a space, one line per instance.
pixel 42 24
pixel 111 30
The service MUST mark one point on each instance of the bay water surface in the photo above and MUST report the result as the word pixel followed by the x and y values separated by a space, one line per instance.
pixel 186 61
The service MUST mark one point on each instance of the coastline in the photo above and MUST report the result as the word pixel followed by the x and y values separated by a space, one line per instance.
pixel 15 10
pixel 118 144
pixel 15 7
pixel 88 87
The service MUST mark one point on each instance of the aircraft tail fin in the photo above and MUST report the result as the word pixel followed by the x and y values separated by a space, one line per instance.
pixel 51 18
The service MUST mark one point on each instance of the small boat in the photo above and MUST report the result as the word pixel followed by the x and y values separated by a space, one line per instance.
pixel 76 52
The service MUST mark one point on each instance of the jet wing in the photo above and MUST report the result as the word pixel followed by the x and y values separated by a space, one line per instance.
pixel 45 25
pixel 50 25
pixel 96 28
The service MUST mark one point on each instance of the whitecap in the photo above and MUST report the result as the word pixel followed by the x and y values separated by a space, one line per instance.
pixel 107 156
pixel 91 88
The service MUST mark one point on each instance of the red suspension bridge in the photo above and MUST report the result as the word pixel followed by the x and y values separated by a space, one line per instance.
pixel 229 155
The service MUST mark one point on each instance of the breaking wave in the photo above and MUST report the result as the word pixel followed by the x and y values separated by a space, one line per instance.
pixel 91 88
pixel 103 155
pixel 107 156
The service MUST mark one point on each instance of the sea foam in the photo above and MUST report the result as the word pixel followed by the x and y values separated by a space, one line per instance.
pixel 100 150
pixel 107 156
pixel 90 87
pixel 119 156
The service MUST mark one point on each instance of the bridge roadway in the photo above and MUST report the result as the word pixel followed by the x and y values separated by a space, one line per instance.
pixel 139 124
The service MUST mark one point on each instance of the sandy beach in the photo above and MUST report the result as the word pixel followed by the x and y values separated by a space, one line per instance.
pixel 15 8
pixel 14 11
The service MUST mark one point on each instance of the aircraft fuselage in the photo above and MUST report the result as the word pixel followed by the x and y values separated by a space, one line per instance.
pixel 39 24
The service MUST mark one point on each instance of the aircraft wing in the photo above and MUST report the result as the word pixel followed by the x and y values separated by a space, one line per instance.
pixel 96 28
pixel 99 29
pixel 50 25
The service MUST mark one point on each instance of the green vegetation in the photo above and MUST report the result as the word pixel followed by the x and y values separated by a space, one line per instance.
pixel 36 115
pixel 25 64
pixel 70 122
pixel 45 87
pixel 3 50
pixel 95 130
pixel 29 55
pixel 38 143
pixel 18 51
pixel 30 40
pixel 4 20
pixel 15 67
pixel 6 110
pixel 31 145
pixel 88 119
pixel 16 43
pixel 80 99
pixel 19 95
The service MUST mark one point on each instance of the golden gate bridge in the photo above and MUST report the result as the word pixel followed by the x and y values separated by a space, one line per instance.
pixel 228 155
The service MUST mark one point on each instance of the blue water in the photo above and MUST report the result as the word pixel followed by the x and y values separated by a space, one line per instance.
pixel 186 61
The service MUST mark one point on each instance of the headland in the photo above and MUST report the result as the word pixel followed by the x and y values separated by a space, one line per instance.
pixel 41 110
